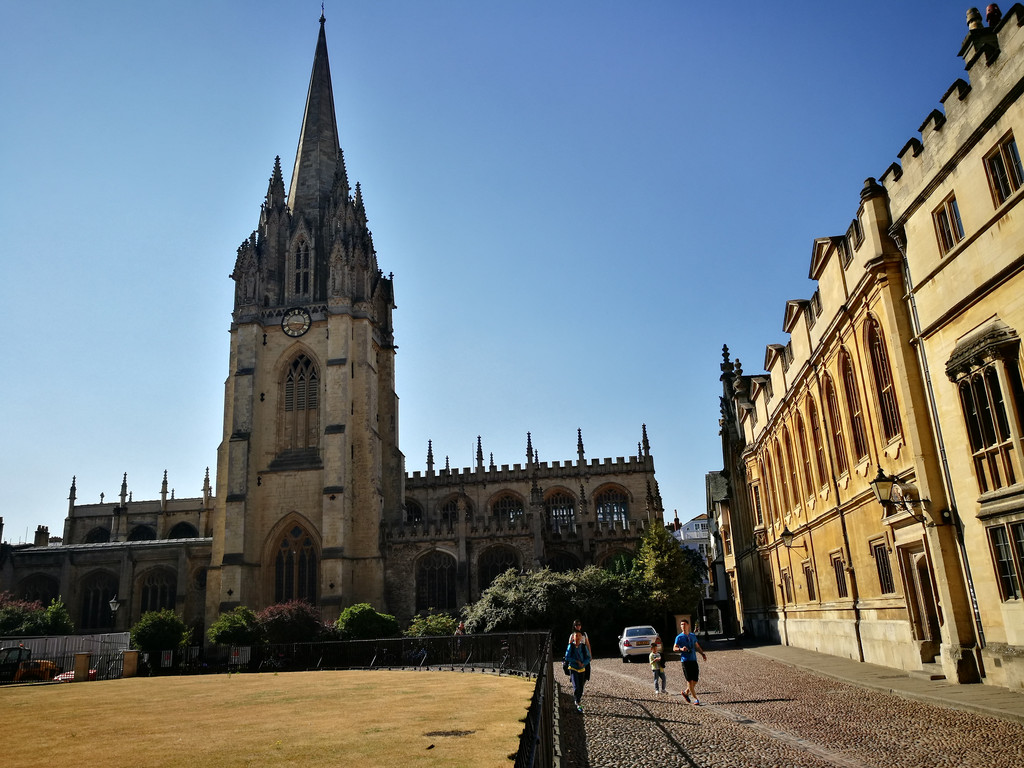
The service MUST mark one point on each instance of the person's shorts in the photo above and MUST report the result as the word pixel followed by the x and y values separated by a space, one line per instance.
pixel 691 671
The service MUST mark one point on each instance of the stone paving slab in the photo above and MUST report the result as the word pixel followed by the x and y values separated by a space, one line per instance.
pixel 758 711
pixel 984 699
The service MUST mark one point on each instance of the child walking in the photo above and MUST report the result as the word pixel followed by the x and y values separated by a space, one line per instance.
pixel 657 665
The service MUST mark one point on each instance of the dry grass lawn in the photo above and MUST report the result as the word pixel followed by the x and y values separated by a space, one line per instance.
pixel 308 719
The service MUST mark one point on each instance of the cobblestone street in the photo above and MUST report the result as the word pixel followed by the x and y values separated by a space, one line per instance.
pixel 758 712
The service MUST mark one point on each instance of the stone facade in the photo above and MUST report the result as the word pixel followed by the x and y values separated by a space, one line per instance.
pixel 904 364
pixel 312 501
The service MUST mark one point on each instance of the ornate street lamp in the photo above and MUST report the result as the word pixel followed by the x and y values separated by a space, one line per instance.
pixel 882 485
pixel 891 493
pixel 114 605
pixel 787 537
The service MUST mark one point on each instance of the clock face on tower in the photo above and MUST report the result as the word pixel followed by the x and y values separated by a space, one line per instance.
pixel 295 322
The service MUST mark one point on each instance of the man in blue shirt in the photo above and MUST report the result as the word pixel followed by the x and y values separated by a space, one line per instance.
pixel 688 647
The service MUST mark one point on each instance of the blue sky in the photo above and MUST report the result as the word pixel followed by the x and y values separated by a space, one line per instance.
pixel 581 202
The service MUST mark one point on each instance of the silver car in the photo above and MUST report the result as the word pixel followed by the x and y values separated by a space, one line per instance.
pixel 636 641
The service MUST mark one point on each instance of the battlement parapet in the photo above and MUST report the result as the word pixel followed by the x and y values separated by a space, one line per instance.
pixel 518 472
pixel 994 58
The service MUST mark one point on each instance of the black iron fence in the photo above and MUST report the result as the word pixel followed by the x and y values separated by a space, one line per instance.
pixel 511 653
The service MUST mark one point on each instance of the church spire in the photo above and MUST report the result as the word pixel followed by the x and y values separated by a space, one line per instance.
pixel 317 156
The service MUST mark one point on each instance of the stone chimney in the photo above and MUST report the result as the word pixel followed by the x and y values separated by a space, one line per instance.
pixel 42 537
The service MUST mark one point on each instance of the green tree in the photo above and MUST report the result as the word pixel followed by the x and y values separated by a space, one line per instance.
pixel 431 624
pixel 544 600
pixel 673 574
pixel 292 622
pixel 160 631
pixel 362 622
pixel 21 618
pixel 239 626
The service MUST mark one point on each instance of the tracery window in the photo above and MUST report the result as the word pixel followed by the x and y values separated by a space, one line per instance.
pixel 413 512
pixel 794 480
pixel 801 440
pixel 507 508
pixel 450 511
pixel 860 438
pixel 493 562
pixel 816 441
pixel 39 587
pixel 1007 544
pixel 435 582
pixel 773 498
pixel 786 501
pixel 296 570
pixel 301 405
pixel 158 591
pixel 836 423
pixel 612 506
pixel 302 269
pixel 988 429
pixel 97 592
pixel 887 406
pixel 560 509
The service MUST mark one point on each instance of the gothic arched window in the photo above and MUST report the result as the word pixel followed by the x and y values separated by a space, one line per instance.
pixel 494 562
pixel 413 512
pixel 450 511
pixel 39 587
pixel 98 590
pixel 435 582
pixel 560 509
pixel 819 448
pixel 301 405
pixel 295 567
pixel 507 508
pixel 838 440
pixel 794 478
pixel 98 535
pixel 183 530
pixel 887 406
pixel 786 501
pixel 302 269
pixel 142 533
pixel 805 460
pixel 612 506
pixel 158 591
pixel 860 438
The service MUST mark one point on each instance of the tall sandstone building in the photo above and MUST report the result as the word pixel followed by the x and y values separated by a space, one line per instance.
pixel 312 501
pixel 873 503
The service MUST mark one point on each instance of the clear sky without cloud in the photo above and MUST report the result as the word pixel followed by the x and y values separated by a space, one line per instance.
pixel 581 202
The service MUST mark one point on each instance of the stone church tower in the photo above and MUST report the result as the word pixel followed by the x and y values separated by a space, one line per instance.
pixel 309 460
pixel 312 501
